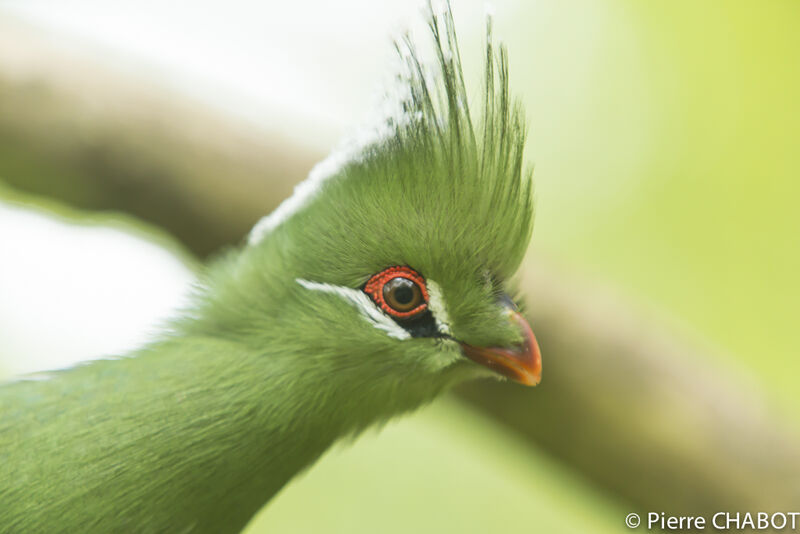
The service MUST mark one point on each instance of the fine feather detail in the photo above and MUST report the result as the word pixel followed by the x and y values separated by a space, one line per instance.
pixel 303 192
pixel 347 152
pixel 459 169
pixel 438 308
pixel 350 150
pixel 364 304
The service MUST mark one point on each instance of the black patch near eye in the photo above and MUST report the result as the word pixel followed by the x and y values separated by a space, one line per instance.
pixel 421 325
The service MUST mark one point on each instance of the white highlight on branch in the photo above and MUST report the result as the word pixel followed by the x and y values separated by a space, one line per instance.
pixel 371 313
pixel 72 291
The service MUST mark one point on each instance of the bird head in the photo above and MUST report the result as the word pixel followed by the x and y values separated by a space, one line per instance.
pixel 390 264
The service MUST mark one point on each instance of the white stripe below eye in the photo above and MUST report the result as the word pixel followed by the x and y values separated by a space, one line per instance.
pixel 371 313
pixel 438 309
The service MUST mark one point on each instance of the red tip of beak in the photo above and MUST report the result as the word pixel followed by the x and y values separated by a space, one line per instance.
pixel 522 364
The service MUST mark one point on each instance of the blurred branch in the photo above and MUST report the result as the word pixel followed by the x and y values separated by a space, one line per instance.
pixel 643 409
pixel 100 140
pixel 633 407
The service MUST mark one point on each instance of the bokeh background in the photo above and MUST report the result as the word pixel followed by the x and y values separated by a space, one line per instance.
pixel 136 140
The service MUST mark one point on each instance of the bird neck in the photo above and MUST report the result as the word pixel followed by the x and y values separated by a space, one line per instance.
pixel 191 434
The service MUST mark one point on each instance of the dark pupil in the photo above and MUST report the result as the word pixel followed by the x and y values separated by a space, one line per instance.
pixel 401 294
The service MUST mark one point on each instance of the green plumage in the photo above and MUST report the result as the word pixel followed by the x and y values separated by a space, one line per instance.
pixel 262 374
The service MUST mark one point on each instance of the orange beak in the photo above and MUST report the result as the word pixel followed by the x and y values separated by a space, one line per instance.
pixel 522 363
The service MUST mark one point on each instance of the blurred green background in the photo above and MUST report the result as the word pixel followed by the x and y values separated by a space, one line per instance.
pixel 669 167
pixel 662 279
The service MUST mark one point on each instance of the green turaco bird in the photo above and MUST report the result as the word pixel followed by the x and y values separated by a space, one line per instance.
pixel 380 283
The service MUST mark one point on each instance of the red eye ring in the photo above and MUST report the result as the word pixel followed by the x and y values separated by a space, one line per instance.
pixel 375 289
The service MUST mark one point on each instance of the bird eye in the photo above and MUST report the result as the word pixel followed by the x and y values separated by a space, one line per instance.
pixel 399 291
pixel 402 294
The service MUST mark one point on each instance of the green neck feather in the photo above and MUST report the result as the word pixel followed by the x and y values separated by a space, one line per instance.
pixel 193 434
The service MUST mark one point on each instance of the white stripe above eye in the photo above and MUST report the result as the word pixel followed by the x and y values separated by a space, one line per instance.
pixel 371 313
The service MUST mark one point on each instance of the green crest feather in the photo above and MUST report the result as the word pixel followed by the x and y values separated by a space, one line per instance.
pixel 436 171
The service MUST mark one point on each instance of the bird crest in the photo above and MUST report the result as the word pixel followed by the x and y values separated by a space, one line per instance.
pixel 434 168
